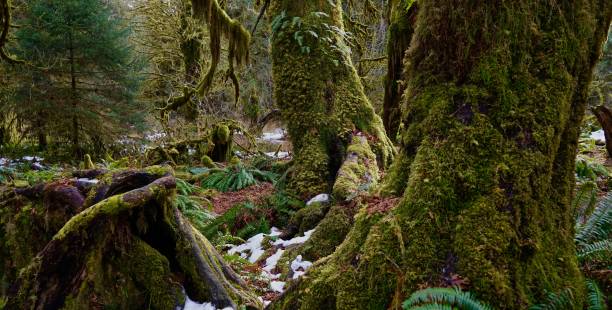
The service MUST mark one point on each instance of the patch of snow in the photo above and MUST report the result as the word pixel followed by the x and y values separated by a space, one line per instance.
pixel 154 136
pixel 296 240
pixel 598 135
pixel 271 263
pixel 4 161
pixel 37 166
pixel 274 232
pixel 322 198
pixel 277 286
pixel 33 158
pixel 276 137
pixel 191 152
pixel 252 247
pixel 299 266
pixel 88 181
pixel 278 155
pixel 193 305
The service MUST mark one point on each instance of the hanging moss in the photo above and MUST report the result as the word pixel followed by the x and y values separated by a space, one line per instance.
pixel 219 23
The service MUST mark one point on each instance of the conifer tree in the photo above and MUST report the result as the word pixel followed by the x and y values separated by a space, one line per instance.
pixel 82 81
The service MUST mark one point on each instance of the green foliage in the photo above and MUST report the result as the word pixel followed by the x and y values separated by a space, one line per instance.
pixel 189 205
pixel 593 236
pixel 595 298
pixel 443 298
pixel 587 169
pixel 236 177
pixel 83 79
pixel 242 221
pixel 554 301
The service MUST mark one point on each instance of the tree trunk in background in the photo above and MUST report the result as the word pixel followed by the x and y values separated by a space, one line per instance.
pixel 401 28
pixel 76 148
pixel 319 93
pixel 495 96
pixel 191 48
pixel 604 116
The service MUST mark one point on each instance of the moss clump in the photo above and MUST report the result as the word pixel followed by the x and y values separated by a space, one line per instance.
pixel 207 162
pixel 306 219
pixel 359 171
pixel 116 281
pixel 87 163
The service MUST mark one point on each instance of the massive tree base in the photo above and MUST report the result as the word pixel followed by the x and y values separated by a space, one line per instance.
pixel 494 99
pixel 124 246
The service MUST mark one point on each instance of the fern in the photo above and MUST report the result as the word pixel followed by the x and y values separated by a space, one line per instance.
pixel 190 207
pixel 596 250
pixel 595 297
pixel 597 228
pixel 561 300
pixel 443 298
pixel 235 178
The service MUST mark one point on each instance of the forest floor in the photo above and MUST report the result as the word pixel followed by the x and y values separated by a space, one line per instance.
pixel 243 210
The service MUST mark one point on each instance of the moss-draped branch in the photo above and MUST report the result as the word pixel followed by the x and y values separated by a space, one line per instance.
pixel 219 25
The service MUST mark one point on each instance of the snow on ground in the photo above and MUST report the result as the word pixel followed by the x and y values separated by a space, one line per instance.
pixel 275 137
pixel 88 181
pixel 251 249
pixel 193 305
pixel 271 263
pixel 33 158
pixel 598 135
pixel 322 198
pixel 296 240
pixel 277 286
pixel 299 266
pixel 278 155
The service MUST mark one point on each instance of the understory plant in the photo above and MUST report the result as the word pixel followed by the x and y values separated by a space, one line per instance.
pixel 192 206
pixel 235 177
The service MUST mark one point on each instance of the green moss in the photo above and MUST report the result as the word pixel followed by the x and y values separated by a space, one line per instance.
pixel 136 279
pixel 207 162
pixel 359 171
pixel 491 123
pixel 88 164
pixel 320 94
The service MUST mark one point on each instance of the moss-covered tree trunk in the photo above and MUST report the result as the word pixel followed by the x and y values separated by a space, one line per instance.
pixel 319 92
pixel 123 246
pixel 401 27
pixel 495 95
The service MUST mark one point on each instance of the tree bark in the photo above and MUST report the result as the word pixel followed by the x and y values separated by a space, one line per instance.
pixel 604 117
pixel 131 249
pixel 495 96
pixel 401 28
pixel 319 93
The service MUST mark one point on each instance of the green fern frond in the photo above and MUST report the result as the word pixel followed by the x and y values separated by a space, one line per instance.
pixel 438 297
pixel 556 301
pixel 595 297
pixel 235 178
pixel 597 250
pixel 598 226
pixel 431 307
